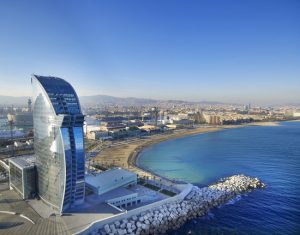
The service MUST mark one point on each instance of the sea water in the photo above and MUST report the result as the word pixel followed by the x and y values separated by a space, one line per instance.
pixel 271 153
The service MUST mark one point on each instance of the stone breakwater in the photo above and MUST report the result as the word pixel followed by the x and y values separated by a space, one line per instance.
pixel 174 215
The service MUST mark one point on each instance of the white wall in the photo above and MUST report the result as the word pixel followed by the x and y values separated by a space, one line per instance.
pixel 296 115
pixel 125 215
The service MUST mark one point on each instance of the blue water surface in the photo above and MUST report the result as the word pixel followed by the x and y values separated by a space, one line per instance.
pixel 271 153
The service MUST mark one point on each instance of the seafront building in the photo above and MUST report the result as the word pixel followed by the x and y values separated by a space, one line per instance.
pixel 58 142
pixel 22 176
pixel 109 180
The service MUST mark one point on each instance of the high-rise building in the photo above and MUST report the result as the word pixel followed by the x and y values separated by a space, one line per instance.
pixel 58 142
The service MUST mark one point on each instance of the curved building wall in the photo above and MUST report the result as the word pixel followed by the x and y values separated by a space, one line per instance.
pixel 58 142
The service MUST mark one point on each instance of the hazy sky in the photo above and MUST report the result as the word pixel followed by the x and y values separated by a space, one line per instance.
pixel 237 51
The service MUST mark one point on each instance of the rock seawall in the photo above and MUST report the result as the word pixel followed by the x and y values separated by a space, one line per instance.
pixel 174 215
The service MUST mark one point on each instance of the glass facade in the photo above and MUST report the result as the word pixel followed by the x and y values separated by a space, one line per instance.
pixel 16 178
pixel 58 142
pixel 23 180
pixel 29 182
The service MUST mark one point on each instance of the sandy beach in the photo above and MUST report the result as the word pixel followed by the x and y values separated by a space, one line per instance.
pixel 264 124
pixel 125 153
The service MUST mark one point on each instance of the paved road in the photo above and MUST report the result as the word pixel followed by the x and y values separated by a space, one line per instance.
pixel 17 225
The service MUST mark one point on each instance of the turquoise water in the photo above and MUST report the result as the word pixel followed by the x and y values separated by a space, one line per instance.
pixel 270 153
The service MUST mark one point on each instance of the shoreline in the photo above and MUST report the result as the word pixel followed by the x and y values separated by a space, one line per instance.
pixel 127 154
pixel 191 202
pixel 134 155
pixel 133 158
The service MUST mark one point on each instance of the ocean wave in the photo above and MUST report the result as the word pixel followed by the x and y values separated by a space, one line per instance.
pixel 209 216
pixel 234 200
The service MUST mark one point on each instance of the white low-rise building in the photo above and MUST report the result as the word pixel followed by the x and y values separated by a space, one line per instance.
pixel 98 135
pixel 296 114
pixel 122 197
pixel 109 180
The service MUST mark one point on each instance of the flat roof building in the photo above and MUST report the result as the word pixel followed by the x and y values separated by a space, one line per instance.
pixel 22 176
pixel 122 197
pixel 109 180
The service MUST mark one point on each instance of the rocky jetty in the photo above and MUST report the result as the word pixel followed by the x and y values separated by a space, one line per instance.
pixel 174 215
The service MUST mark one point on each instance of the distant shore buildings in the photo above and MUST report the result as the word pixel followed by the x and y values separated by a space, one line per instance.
pixel 296 113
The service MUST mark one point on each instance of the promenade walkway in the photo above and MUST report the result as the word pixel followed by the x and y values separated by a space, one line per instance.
pixel 18 217
pixel 26 220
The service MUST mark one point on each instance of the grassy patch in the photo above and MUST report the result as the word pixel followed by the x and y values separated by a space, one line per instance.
pixel 99 167
pixel 90 144
pixel 153 187
pixel 168 193
pixel 141 181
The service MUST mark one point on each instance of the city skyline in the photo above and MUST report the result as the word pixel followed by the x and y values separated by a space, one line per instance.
pixel 149 117
pixel 239 52
pixel 20 101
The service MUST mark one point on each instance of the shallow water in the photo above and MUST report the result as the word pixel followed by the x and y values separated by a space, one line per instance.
pixel 270 153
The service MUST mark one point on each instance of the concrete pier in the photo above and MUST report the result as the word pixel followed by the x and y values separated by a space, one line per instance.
pixel 173 215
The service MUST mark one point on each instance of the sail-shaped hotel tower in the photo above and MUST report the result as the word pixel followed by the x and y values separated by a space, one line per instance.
pixel 58 142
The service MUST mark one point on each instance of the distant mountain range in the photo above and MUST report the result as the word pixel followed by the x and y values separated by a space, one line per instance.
pixel 102 100
pixel 129 101
pixel 13 100
pixel 105 100
pixel 111 100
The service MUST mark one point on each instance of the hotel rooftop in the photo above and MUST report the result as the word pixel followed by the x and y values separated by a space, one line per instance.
pixel 24 161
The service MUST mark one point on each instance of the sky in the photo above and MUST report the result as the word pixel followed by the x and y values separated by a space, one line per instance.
pixel 232 51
